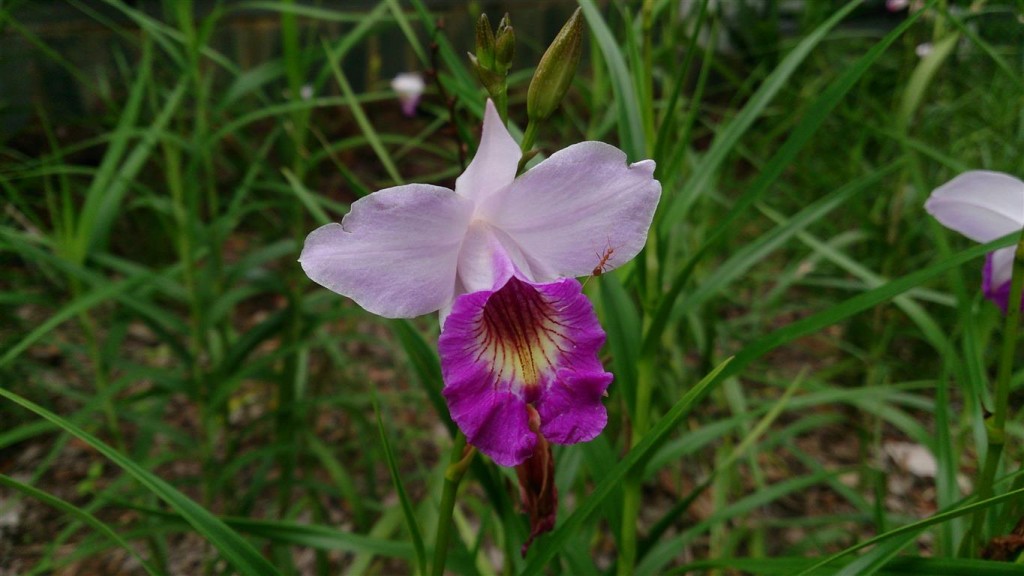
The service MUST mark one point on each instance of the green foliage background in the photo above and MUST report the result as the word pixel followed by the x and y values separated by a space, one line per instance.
pixel 179 380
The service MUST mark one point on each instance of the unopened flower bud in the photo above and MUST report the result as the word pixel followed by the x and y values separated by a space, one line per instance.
pixel 504 46
pixel 490 79
pixel 554 73
pixel 484 43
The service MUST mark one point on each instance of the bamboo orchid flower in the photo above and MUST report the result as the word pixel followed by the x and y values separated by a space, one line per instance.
pixel 497 257
pixel 984 206
pixel 409 87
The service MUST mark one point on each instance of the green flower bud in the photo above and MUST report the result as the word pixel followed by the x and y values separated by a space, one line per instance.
pixel 504 46
pixel 554 73
pixel 484 43
pixel 491 80
pixel 503 24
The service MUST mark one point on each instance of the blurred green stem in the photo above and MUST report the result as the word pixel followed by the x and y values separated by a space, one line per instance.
pixel 996 424
pixel 291 383
pixel 529 136
pixel 501 102
pixel 634 482
pixel 647 78
pixel 458 463
pixel 99 370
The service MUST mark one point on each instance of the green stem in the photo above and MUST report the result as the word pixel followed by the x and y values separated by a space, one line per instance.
pixel 501 102
pixel 996 425
pixel 458 464
pixel 99 370
pixel 647 89
pixel 527 143
pixel 634 482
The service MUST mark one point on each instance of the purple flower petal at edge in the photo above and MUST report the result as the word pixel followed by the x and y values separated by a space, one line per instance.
pixel 524 344
pixel 995 277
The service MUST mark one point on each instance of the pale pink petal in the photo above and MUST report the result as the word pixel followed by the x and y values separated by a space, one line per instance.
pixel 496 160
pixel 1002 264
pixel 488 259
pixel 395 253
pixel 981 205
pixel 995 279
pixel 577 207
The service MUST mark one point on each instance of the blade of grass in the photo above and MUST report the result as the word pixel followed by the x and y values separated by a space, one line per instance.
pixel 859 303
pixel 364 123
pixel 800 136
pixel 403 497
pixel 678 206
pixel 631 127
pixel 548 546
pixel 622 322
pixel 79 514
pixel 910 531
pixel 236 550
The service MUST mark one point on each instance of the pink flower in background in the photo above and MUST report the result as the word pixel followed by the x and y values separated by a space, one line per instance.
pixel 409 86
pixel 498 256
pixel 984 206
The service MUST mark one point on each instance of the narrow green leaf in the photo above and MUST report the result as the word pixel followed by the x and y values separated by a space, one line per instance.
pixel 678 206
pixel 631 127
pixel 548 546
pixel 78 513
pixel 910 531
pixel 236 550
pixel 426 367
pixel 364 123
pixel 858 303
pixel 308 200
pixel 403 496
pixel 800 136
pixel 922 77
pixel 622 322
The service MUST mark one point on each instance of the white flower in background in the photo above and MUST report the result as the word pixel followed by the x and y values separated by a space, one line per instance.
pixel 409 86
pixel 923 49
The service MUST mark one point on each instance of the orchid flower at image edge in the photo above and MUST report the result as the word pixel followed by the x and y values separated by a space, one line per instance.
pixel 498 257
pixel 984 206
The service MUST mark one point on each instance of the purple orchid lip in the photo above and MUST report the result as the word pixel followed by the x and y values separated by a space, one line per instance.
pixel 994 288
pixel 524 345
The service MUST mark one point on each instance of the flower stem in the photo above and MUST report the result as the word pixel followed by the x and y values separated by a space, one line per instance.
pixel 458 464
pixel 527 144
pixel 634 482
pixel 996 424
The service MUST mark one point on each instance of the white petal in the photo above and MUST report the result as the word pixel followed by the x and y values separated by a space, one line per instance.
pixel 484 263
pixel 395 253
pixel 981 205
pixel 496 160
pixel 408 84
pixel 1002 265
pixel 581 208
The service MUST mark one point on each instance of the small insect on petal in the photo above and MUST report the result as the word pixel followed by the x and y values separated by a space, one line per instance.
pixel 599 269
pixel 602 264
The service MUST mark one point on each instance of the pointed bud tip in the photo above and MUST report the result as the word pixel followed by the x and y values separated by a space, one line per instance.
pixel 556 69
pixel 484 42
